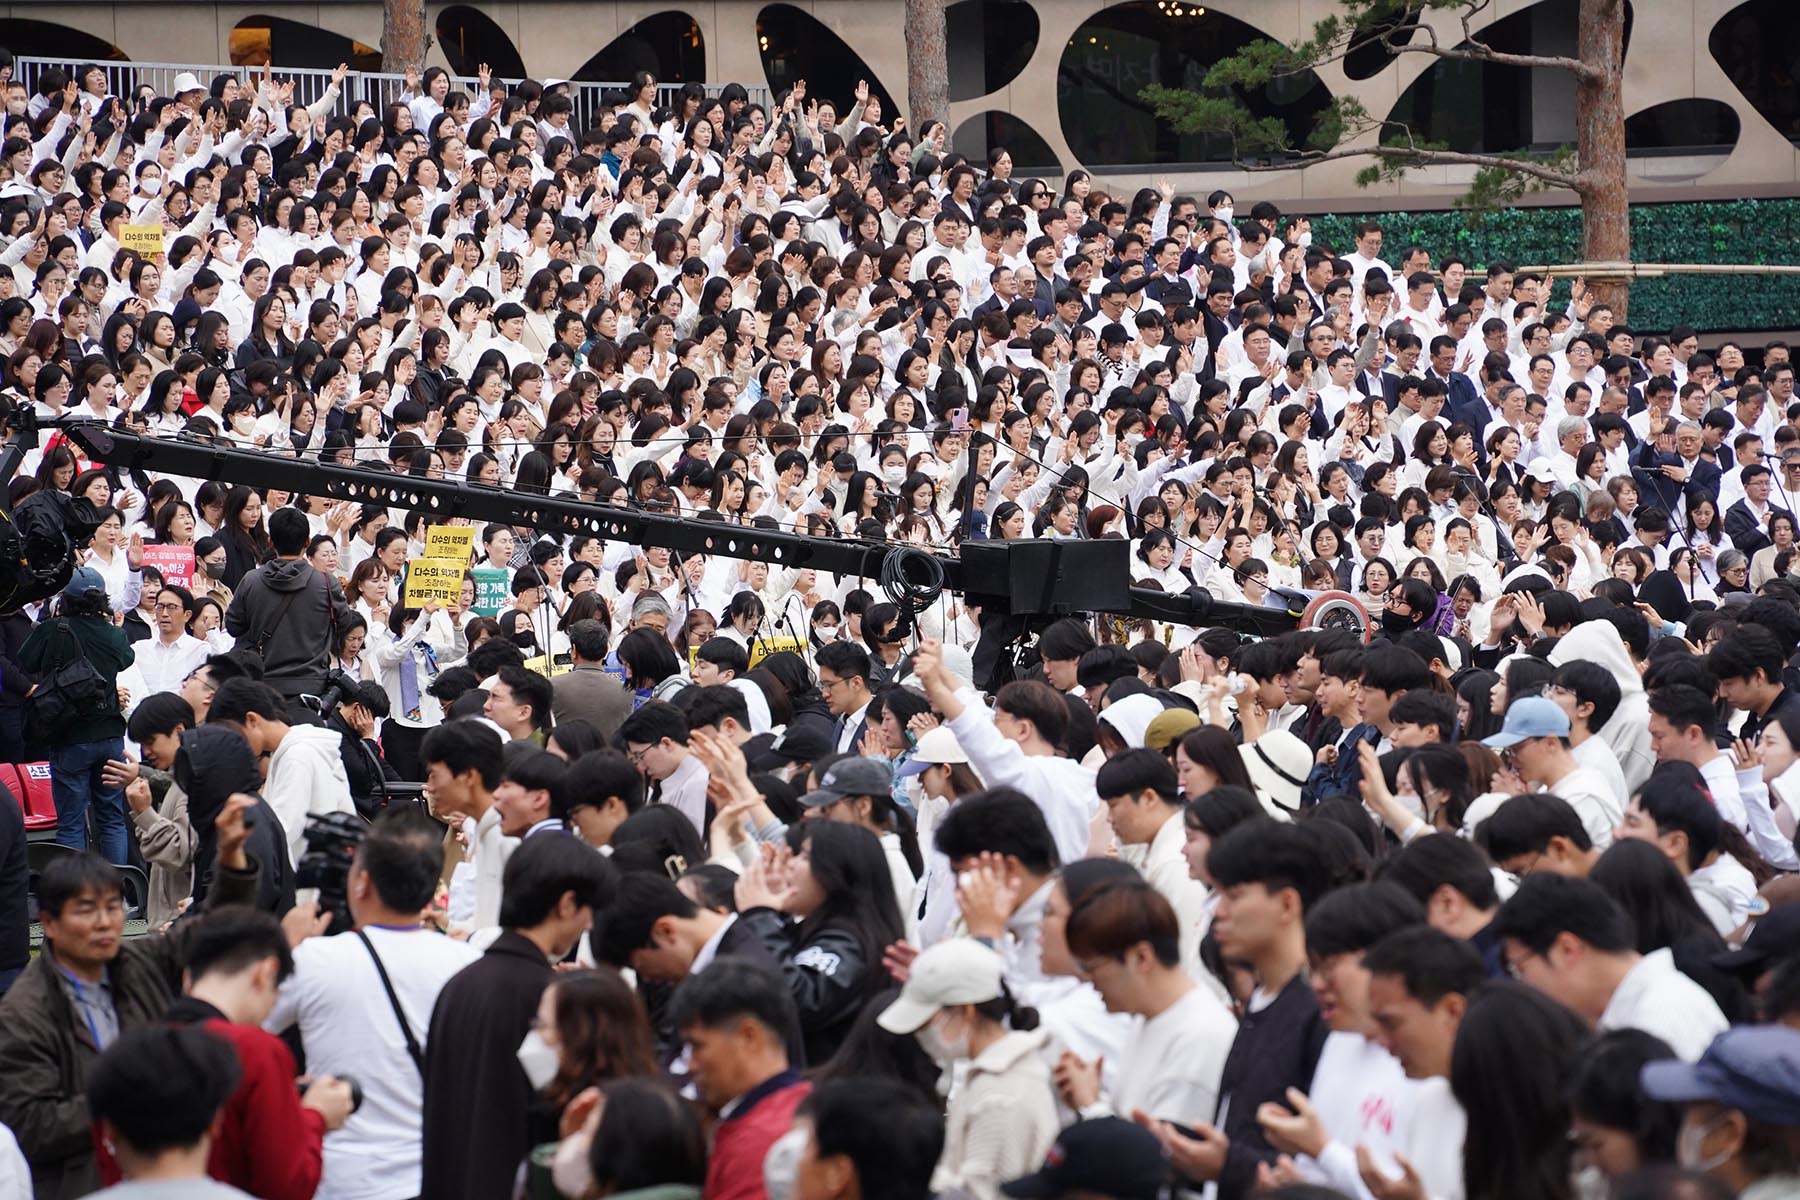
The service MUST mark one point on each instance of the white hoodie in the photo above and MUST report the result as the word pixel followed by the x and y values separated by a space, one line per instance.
pixel 1627 731
pixel 306 776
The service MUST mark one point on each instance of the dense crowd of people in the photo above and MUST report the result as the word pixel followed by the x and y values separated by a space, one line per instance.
pixel 633 874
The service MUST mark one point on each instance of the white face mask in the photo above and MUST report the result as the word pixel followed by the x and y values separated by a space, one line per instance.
pixel 825 633
pixel 781 1165
pixel 539 1060
pixel 1689 1151
pixel 942 1050
pixel 893 475
pixel 569 1170
pixel 1591 1184
pixel 1224 214
pixel 243 422
pixel 1132 440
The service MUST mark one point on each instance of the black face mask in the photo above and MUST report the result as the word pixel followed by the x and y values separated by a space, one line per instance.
pixel 1394 622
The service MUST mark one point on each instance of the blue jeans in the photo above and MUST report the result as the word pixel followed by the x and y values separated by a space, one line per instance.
pixel 75 783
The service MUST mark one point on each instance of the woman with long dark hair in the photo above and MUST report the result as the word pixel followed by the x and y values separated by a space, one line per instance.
pixel 1507 1068
pixel 831 883
pixel 246 541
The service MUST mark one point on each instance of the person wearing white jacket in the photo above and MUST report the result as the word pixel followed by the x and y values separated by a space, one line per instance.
pixel 306 765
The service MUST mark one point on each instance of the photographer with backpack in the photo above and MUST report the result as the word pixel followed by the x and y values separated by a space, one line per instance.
pixel 75 711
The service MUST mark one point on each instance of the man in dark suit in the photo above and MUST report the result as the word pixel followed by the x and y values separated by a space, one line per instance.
pixel 590 692
pixel 845 670
pixel 1461 393
pixel 478 1123
pixel 1747 530
pixel 1668 475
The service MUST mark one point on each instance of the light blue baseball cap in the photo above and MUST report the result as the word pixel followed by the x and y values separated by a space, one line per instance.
pixel 1529 717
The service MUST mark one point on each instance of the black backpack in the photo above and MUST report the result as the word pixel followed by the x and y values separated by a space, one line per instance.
pixel 70 691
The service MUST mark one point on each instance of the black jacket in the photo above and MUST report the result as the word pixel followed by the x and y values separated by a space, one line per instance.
pixel 1275 1049
pixel 1745 531
pixel 476 1128
pixel 830 976
pixel 289 613
pixel 15 883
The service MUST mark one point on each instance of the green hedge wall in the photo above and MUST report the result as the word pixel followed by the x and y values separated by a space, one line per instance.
pixel 1739 231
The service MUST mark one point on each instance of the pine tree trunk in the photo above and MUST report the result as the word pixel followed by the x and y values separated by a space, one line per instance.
pixel 1600 143
pixel 403 37
pixel 927 63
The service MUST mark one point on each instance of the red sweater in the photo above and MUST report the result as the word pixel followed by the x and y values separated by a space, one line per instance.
pixel 742 1140
pixel 267 1144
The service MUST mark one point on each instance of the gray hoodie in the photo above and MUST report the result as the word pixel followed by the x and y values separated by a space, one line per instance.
pixel 288 612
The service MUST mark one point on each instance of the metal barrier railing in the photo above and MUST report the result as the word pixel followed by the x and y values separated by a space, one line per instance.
pixel 378 88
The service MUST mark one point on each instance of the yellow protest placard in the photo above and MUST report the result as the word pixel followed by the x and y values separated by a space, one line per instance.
pixel 145 239
pixel 437 579
pixel 450 541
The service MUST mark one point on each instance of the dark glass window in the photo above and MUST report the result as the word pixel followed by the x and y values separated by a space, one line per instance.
pixel 1031 154
pixel 1370 56
pixel 1485 108
pixel 46 39
pixel 1682 125
pixel 1120 51
pixel 668 45
pixel 991 41
pixel 469 37
pixel 1755 47
pixel 797 45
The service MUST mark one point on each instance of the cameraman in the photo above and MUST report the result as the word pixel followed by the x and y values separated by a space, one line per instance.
pixel 354 717
pixel 306 763
pixel 352 1023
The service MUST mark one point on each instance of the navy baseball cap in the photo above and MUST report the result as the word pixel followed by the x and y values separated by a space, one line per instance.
pixel 1775 935
pixel 1103 1157
pixel 1752 1068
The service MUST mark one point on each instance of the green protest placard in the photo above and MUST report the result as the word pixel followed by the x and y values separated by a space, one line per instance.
pixel 490 590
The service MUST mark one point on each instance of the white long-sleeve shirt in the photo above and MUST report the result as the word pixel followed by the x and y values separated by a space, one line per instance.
pixel 1364 1098
pixel 1062 788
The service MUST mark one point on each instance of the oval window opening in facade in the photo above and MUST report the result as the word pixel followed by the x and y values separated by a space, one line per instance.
pixel 283 43
pixel 796 45
pixel 668 45
pixel 1372 45
pixel 1760 62
pixel 47 39
pixel 1030 153
pixel 1120 51
pixel 1676 125
pixel 469 37
pixel 1493 108
pixel 990 42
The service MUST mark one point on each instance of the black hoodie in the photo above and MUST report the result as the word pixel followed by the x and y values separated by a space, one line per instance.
pixel 215 761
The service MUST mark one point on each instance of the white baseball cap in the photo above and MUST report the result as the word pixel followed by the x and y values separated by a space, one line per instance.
pixel 937 747
pixel 954 971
